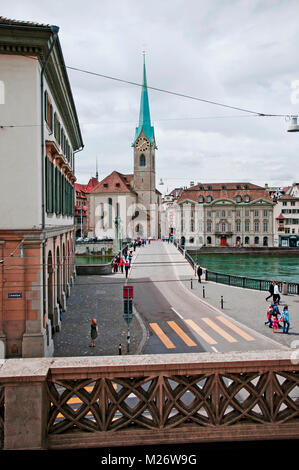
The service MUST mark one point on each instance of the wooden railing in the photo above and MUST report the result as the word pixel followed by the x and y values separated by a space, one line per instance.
pixel 153 399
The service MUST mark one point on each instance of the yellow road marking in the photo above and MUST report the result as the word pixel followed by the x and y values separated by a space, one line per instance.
pixel 181 333
pixel 236 328
pixel 219 330
pixel 201 332
pixel 162 336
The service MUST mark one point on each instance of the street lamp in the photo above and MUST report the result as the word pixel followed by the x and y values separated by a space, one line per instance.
pixel 293 127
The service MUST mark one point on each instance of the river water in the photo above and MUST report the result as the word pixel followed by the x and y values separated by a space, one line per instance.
pixel 268 267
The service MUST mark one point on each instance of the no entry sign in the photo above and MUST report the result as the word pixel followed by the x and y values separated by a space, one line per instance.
pixel 128 292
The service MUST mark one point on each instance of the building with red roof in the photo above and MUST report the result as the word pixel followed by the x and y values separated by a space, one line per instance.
pixel 224 214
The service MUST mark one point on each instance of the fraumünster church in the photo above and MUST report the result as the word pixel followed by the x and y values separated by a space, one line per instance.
pixel 128 205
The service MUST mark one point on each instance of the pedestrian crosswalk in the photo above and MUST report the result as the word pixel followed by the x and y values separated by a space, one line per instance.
pixel 211 331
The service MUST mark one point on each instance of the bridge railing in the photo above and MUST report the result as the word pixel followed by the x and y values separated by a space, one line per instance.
pixel 65 403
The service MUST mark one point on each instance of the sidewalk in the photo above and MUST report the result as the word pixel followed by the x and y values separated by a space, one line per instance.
pixel 99 297
pixel 248 306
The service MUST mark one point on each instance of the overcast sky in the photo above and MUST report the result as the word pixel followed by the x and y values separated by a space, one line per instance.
pixel 242 53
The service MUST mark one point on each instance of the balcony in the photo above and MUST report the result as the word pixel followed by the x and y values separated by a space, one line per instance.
pixel 85 402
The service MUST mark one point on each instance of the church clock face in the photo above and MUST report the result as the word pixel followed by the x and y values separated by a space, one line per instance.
pixel 142 144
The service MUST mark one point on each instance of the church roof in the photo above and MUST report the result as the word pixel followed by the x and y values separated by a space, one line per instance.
pixel 114 183
pixel 144 113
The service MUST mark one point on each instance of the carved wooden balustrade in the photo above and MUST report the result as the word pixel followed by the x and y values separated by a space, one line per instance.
pixel 158 399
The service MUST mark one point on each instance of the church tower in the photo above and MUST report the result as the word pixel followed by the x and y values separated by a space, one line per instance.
pixel 144 150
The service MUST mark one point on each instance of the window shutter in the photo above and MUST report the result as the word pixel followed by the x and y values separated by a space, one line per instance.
pixel 46 105
pixel 47 183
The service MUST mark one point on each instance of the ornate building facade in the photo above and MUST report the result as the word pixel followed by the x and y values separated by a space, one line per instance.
pixel 224 214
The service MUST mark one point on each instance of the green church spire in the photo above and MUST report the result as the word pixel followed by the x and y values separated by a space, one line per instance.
pixel 144 113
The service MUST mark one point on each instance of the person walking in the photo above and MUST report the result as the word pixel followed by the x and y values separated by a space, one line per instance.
pixel 127 266
pixel 276 296
pixel 199 273
pixel 285 317
pixel 121 264
pixel 130 256
pixel 93 332
pixel 269 316
pixel 271 290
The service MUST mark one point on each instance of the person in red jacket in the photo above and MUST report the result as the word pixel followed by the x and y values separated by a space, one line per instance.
pixel 122 264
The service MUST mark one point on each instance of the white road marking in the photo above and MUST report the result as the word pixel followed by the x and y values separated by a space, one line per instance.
pixel 177 313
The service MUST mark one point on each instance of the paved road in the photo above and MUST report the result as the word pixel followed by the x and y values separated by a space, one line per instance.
pixel 177 319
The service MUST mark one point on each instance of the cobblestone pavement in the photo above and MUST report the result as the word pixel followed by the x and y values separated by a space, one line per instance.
pixel 99 297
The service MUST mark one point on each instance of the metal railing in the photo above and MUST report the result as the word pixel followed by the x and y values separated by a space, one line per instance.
pixel 249 283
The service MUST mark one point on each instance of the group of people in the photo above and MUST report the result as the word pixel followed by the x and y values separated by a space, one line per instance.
pixel 122 263
pixel 274 316
pixel 274 292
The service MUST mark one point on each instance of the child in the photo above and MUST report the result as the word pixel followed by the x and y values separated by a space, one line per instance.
pixel 285 317
pixel 269 315
pixel 93 332
pixel 275 323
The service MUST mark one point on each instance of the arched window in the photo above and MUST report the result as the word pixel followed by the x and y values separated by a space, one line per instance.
pixel 142 160
pixel 209 240
pixel 246 240
pixel 265 241
pixel 256 240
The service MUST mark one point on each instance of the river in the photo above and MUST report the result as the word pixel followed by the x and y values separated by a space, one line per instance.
pixel 276 267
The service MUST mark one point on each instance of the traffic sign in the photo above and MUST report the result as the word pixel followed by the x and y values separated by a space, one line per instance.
pixel 128 292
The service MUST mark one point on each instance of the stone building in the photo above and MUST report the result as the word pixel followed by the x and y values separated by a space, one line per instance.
pixel 128 205
pixel 39 138
pixel 224 214
pixel 81 190
pixel 286 217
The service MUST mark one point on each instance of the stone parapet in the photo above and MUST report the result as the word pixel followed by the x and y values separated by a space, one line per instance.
pixel 59 403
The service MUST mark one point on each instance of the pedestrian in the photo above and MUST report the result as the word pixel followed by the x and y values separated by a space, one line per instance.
pixel 127 266
pixel 121 264
pixel 115 265
pixel 93 332
pixel 130 257
pixel 276 313
pixel 285 317
pixel 276 296
pixel 274 323
pixel 269 316
pixel 271 290
pixel 199 273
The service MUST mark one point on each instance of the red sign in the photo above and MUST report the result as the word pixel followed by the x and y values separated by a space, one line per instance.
pixel 128 292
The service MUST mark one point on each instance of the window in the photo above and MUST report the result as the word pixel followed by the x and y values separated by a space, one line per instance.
pixel 209 226
pixel 238 213
pixel 110 211
pixel 256 226
pixel 209 240
pixel 209 213
pixel 265 213
pixel 200 199
pixel 238 226
pixel 223 227
pixel 256 213
pixel 265 241
pixel 238 198
pixel 265 226
pixel 210 188
pixel 209 198
pixel 223 187
pixel 191 225
pixel 284 203
pixel 247 213
pixel 191 240
pixel 222 213
pixel 247 225
pixel 142 160
pixel 246 240
pixel 246 198
pixel 292 203
pixel 256 240
pixel 238 186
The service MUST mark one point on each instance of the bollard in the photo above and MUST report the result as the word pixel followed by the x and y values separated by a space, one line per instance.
pixel 119 349
pixel 191 284
pixel 203 291
pixel 222 301
pixel 128 342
